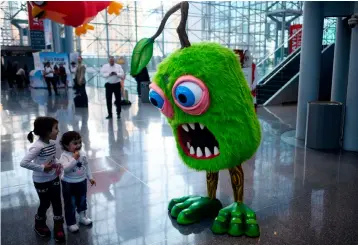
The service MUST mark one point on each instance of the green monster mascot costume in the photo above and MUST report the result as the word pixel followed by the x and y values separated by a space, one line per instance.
pixel 202 91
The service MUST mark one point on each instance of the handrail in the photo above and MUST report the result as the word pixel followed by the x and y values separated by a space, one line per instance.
pixel 279 47
pixel 289 59
pixel 281 63
pixel 291 80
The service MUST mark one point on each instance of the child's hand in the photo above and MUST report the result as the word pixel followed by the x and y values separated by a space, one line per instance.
pixel 76 155
pixel 93 182
pixel 48 167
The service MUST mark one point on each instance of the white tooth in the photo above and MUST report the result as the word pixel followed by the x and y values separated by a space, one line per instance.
pixel 185 127
pixel 188 145
pixel 216 151
pixel 192 151
pixel 199 153
pixel 192 125
pixel 201 126
pixel 207 152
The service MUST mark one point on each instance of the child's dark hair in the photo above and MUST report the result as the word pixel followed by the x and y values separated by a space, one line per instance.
pixel 42 127
pixel 68 137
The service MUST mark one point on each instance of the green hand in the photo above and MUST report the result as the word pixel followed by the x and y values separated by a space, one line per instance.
pixel 236 220
pixel 191 209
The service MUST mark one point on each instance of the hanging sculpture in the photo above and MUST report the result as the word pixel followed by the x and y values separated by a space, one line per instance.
pixel 73 13
pixel 202 91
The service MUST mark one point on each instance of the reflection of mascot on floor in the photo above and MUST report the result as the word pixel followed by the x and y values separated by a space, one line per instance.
pixel 202 91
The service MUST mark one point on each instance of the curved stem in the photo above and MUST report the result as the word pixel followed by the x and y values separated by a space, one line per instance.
pixel 183 37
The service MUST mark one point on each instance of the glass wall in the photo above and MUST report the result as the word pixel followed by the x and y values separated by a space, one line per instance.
pixel 235 24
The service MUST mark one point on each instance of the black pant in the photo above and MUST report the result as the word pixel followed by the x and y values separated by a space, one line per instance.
pixel 116 89
pixel 138 88
pixel 74 196
pixel 49 193
pixel 49 81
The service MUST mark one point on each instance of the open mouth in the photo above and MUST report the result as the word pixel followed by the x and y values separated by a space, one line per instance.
pixel 197 141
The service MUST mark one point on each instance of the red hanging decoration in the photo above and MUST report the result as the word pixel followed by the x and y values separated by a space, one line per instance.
pixel 73 13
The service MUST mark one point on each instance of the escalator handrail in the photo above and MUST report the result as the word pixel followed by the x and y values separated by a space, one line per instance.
pixel 292 79
pixel 278 48
pixel 281 66
pixel 288 58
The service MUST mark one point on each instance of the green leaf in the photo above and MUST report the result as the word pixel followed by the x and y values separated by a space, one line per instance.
pixel 142 53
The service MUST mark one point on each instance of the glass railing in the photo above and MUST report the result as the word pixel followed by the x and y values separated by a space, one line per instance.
pixel 269 62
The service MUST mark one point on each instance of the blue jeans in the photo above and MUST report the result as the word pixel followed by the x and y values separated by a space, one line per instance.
pixel 74 196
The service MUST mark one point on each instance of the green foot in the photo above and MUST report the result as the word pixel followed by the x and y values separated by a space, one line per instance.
pixel 236 220
pixel 191 209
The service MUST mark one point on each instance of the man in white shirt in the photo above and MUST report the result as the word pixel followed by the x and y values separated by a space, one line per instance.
pixel 113 74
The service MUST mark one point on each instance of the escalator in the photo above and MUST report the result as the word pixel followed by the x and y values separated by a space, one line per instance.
pixel 278 77
pixel 280 86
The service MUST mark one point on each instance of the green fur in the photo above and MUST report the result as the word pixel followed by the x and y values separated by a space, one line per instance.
pixel 231 116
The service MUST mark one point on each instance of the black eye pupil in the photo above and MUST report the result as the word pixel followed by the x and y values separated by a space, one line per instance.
pixel 154 102
pixel 182 98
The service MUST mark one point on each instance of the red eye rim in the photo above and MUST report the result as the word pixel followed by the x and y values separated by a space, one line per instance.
pixel 202 106
pixel 167 109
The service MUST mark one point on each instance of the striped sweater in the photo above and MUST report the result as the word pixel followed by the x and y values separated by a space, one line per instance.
pixel 39 154
pixel 75 171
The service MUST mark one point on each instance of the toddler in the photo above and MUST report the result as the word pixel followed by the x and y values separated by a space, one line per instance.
pixel 76 171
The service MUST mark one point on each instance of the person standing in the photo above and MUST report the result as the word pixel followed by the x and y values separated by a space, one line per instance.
pixel 76 172
pixel 73 69
pixel 114 75
pixel 247 63
pixel 122 62
pixel 63 75
pixel 41 159
pixel 81 99
pixel 80 76
pixel 49 78
pixel 143 76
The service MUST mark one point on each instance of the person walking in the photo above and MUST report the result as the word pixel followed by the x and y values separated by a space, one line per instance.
pixel 114 75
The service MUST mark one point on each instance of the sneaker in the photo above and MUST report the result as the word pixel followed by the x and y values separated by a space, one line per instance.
pixel 84 219
pixel 41 227
pixel 118 116
pixel 109 117
pixel 59 233
pixel 73 228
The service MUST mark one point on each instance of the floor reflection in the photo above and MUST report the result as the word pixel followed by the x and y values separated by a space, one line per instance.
pixel 301 196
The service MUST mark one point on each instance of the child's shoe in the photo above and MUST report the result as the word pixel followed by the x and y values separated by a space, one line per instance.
pixel 84 219
pixel 41 227
pixel 73 228
pixel 59 233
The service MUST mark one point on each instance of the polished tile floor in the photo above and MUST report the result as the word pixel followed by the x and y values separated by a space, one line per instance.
pixel 301 196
